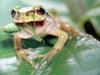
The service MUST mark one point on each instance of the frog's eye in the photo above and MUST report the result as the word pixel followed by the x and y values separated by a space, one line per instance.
pixel 13 13
pixel 41 11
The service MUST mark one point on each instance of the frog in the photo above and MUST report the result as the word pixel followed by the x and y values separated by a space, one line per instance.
pixel 37 21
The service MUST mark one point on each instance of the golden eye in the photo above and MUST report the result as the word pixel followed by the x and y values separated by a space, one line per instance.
pixel 41 11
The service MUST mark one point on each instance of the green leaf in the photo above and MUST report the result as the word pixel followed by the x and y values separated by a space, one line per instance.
pixel 90 14
pixel 80 56
pixel 10 28
pixel 93 16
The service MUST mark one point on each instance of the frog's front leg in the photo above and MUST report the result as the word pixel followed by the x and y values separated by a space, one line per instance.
pixel 20 52
pixel 68 28
pixel 62 38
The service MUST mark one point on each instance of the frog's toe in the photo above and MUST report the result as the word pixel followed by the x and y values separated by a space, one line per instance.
pixel 47 58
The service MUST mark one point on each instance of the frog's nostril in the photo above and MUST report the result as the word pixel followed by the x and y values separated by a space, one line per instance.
pixel 13 13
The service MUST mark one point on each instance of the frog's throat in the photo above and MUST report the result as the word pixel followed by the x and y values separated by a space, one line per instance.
pixel 34 35
pixel 33 32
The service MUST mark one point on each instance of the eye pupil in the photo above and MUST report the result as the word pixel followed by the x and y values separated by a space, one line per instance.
pixel 13 13
pixel 41 11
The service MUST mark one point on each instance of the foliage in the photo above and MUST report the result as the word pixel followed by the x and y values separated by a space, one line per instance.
pixel 80 56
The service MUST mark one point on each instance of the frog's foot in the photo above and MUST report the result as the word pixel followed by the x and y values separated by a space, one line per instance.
pixel 23 55
pixel 28 56
pixel 48 57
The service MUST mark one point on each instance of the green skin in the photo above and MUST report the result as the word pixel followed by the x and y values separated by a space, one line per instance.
pixel 37 23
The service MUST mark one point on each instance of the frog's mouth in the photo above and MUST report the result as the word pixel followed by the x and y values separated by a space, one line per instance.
pixel 29 28
pixel 34 23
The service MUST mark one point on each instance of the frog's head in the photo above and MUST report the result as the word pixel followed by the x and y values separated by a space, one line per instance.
pixel 28 14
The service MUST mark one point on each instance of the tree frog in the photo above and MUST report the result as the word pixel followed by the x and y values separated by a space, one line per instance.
pixel 37 22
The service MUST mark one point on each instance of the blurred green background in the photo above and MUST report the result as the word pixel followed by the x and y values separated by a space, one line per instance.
pixel 80 56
